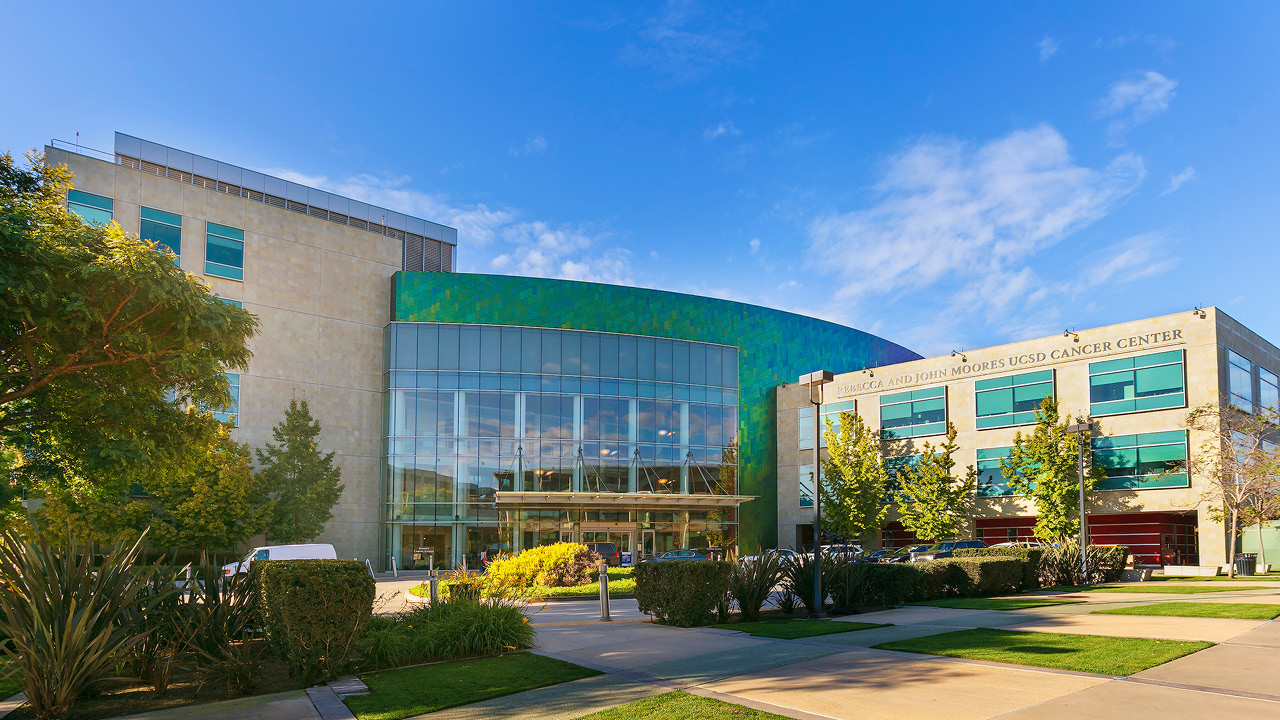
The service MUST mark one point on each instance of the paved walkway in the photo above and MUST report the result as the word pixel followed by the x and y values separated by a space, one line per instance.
pixel 842 676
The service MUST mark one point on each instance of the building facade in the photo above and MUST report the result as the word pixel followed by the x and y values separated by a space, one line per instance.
pixel 314 267
pixel 1137 381
pixel 472 413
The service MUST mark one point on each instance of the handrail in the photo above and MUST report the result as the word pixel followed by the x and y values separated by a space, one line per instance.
pixel 85 150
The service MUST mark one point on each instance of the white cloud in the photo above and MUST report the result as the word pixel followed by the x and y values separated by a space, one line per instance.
pixel 1048 48
pixel 946 209
pixel 723 128
pixel 1141 256
pixel 1178 180
pixel 686 42
pixel 754 245
pixel 1134 100
pixel 521 246
pixel 535 145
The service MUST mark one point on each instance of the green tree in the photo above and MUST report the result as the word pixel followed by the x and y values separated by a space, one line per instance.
pixel 932 502
pixel 1042 466
pixel 214 501
pixel 104 341
pixel 303 481
pixel 855 482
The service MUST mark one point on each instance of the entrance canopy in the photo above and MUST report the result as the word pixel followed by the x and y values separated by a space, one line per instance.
pixel 619 501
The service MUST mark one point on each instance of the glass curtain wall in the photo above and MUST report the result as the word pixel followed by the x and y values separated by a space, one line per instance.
pixel 476 410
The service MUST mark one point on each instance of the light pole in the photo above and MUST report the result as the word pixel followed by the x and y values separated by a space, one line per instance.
pixel 1081 429
pixel 815 380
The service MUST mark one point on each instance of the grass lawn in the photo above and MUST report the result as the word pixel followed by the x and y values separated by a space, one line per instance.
pixel 793 629
pixel 680 706
pixel 1082 653
pixel 1016 603
pixel 1167 589
pixel 1270 577
pixel 1243 611
pixel 406 692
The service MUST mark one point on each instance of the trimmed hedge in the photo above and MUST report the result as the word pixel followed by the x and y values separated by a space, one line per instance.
pixel 314 612
pixel 992 575
pixel 889 584
pixel 681 592
pixel 1030 556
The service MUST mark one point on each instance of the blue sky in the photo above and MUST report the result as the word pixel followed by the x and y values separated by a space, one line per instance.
pixel 947 175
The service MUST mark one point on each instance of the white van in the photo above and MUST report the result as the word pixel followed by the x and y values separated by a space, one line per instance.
pixel 313 551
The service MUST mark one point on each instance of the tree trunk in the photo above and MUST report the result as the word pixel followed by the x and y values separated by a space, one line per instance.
pixel 1231 547
pixel 1262 550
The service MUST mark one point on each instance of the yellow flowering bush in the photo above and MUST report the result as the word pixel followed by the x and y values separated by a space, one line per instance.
pixel 558 565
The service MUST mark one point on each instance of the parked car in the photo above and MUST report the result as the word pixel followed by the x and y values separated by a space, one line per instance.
pixel 876 555
pixel 607 551
pixel 842 552
pixel 937 551
pixel 902 554
pixel 678 555
pixel 311 551
pixel 786 555
pixel 1018 544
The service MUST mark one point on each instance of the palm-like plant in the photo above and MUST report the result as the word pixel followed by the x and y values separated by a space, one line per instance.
pixel 752 582
pixel 69 623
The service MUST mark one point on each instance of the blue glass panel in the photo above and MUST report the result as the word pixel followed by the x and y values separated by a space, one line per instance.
pixel 224 231
pixel 161 216
pixel 89 199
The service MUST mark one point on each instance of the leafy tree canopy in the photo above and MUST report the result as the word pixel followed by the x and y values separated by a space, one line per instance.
pixel 303 481
pixel 854 485
pixel 932 502
pixel 214 500
pixel 103 340
pixel 1042 466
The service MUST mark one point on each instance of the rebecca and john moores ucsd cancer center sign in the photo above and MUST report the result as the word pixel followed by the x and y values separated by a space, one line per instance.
pixel 1069 350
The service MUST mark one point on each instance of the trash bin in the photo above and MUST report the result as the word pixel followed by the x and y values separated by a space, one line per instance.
pixel 1246 563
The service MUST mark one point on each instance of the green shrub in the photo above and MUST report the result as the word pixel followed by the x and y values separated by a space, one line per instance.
pixel 752 581
pixel 1030 556
pixel 944 578
pixel 70 622
pixel 849 586
pixel 1061 564
pixel 798 578
pixel 681 592
pixel 558 565
pixel 448 630
pixel 992 575
pixel 314 612
pixel 891 584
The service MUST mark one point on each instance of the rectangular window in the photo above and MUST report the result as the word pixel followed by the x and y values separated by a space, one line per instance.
pixel 231 413
pixel 915 413
pixel 1140 462
pixel 1013 400
pixel 991 483
pixel 1240 381
pixel 894 467
pixel 1146 382
pixel 162 228
pixel 94 209
pixel 804 419
pixel 1268 390
pixel 224 252
pixel 236 303
pixel 806 486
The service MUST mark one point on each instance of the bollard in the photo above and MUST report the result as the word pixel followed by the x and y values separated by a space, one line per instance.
pixel 434 583
pixel 604 593
pixel 394 570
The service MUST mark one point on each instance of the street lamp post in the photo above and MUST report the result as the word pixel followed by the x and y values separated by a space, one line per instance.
pixel 815 380
pixel 1081 429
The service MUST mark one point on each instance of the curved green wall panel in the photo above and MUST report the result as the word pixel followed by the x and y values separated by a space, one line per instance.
pixel 773 347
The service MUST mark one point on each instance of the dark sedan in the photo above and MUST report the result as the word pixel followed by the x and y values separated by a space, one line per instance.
pixel 938 551
pixel 903 554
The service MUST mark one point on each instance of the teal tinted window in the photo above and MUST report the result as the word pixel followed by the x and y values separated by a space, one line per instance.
pixel 806 486
pixel 237 303
pixel 231 412
pixel 1012 400
pixel 1147 382
pixel 1139 462
pixel 94 209
pixel 915 413
pixel 162 228
pixel 1268 390
pixel 1240 381
pixel 991 483
pixel 224 252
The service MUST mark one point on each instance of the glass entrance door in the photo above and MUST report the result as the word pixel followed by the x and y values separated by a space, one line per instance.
pixel 646 544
